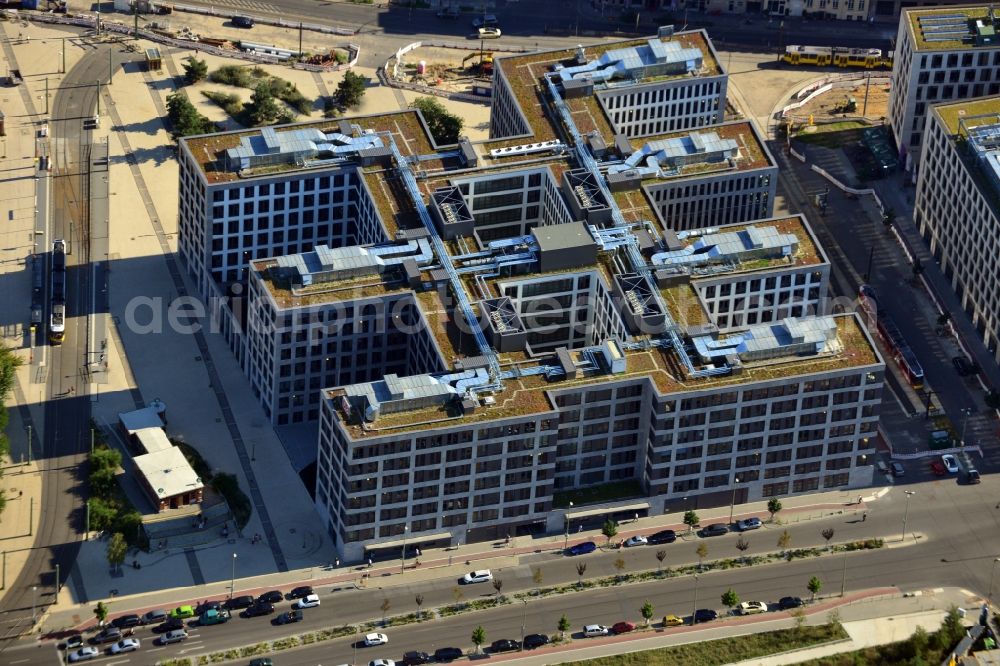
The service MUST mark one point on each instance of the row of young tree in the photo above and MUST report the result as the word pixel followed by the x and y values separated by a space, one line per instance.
pixel 8 365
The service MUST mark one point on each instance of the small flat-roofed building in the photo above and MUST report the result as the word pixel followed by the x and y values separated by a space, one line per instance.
pixel 168 478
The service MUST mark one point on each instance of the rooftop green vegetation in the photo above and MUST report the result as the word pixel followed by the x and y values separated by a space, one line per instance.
pixel 970 12
pixel 975 112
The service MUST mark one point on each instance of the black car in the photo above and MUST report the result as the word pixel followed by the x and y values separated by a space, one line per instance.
pixel 288 618
pixel 298 592
pixel 415 658
pixel 963 366
pixel 448 654
pixel 664 536
pixel 245 601
pixel 272 597
pixel 532 641
pixel 126 621
pixel 705 615
pixel 259 608
pixel 786 603
pixel 243 22
pixel 173 624
pixel 206 606
pixel 505 645
pixel 715 529
pixel 108 635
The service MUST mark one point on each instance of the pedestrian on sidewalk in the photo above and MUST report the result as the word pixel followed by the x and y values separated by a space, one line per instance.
pixel 864 516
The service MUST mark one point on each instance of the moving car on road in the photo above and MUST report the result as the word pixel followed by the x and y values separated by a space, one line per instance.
pixel 126 621
pixel 288 617
pixel 582 548
pixel 240 602
pixel 259 608
pixel 107 635
pixel 213 616
pixel 309 601
pixel 171 624
pixel 748 524
pixel 489 33
pixel 125 645
pixel 752 607
pixel 381 662
pixel 299 592
pixel 73 642
pixel 371 640
pixel 243 22
pixel 272 597
pixel 950 463
pixel 592 630
pixel 175 636
pixel 963 366
pixel 897 469
pixel 481 576
pixel 637 540
pixel 154 616
pixel 83 654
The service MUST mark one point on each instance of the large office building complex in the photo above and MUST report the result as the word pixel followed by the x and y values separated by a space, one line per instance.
pixel 956 208
pixel 599 294
pixel 942 54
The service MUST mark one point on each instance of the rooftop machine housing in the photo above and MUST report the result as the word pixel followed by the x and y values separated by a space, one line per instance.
pixel 562 246
pixel 503 325
pixel 634 63
pixel 586 200
pixel 984 140
pixel 668 157
pixel 640 310
pixel 297 147
pixel 325 264
pixel 451 213
pixel 793 336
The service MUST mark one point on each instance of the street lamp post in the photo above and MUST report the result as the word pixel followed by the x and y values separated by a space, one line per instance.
pixel 732 503
pixel 906 511
pixel 993 572
pixel 966 411
pixel 34 603
pixel 232 584
pixel 566 540
pixel 402 557
pixel 694 606
pixel 524 617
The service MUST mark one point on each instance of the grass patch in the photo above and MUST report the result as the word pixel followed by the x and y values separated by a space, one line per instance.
pixel 251 77
pixel 231 104
pixel 607 492
pixel 833 135
pixel 726 650
pixel 227 486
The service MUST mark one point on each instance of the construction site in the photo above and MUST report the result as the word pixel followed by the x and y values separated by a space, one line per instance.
pixel 450 69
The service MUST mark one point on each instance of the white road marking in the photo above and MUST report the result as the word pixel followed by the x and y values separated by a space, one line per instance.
pixel 122 661
pixel 20 661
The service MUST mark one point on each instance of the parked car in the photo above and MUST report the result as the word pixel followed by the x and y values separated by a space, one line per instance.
pixel 415 658
pixel 897 468
pixel 172 624
pixel 125 645
pixel 309 601
pixel 582 548
pixel 672 621
pixel 664 536
pixel 182 612
pixel 154 616
pixel 272 597
pixel 972 476
pixel 484 21
pixel 787 603
pixel 261 661
pixel 175 636
pixel 950 463
pixel 240 602
pixel 107 635
pixel 937 468
pixel 748 524
pixel 446 654
pixel 299 592
pixel 505 645
pixel 752 607
pixel 72 642
pixel 963 366
pixel 592 630
pixel 243 22
pixel 213 616
pixel 622 627
pixel 83 654
pixel 705 615
pixel 206 606
pixel 259 608
pixel 381 662
pixel 450 12
pixel 288 617
pixel 637 540
pixel 371 640
pixel 126 621
pixel 532 641
pixel 715 529
pixel 481 576
pixel 489 33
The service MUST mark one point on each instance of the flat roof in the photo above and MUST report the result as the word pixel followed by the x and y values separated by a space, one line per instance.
pixel 146 417
pixel 528 395
pixel 952 113
pixel 562 236
pixel 947 21
pixel 168 472
pixel 153 439
pixel 752 152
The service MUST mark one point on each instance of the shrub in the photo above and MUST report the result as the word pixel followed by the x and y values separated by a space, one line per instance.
pixel 227 486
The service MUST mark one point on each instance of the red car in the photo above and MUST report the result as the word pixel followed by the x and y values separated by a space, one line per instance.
pixel 622 628
pixel 938 468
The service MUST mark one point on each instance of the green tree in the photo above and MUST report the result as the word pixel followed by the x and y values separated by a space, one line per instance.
pixel 102 482
pixel 262 107
pixel 117 549
pixel 773 507
pixel 814 586
pixel 102 514
pixel 919 642
pixel 702 552
pixel 730 599
pixel 660 556
pixel 609 530
pixel 784 540
pixel 563 626
pixel 101 613
pixel 3 501
pixel 105 458
pixel 185 118
pixel 130 524
pixel 195 70
pixel 647 612
pixel 478 637
pixel 350 90
pixel 444 127
pixel 952 629
pixel 691 519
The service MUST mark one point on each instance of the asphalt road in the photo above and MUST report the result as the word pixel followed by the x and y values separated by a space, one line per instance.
pixel 959 539
pixel 66 407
